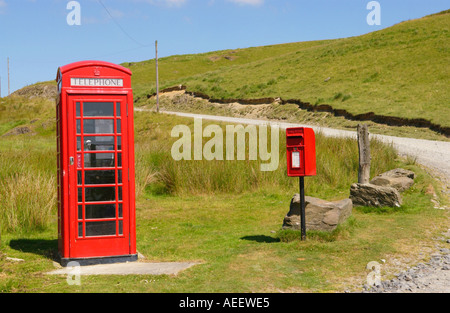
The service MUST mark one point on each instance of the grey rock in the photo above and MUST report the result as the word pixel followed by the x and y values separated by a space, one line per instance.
pixel 399 179
pixel 375 196
pixel 320 214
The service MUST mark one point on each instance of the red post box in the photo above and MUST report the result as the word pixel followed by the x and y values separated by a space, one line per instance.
pixel 301 162
pixel 301 152
pixel 96 174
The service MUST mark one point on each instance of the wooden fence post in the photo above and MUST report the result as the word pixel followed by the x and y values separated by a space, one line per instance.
pixel 364 154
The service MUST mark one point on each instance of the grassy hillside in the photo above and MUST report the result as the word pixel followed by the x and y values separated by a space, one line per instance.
pixel 400 71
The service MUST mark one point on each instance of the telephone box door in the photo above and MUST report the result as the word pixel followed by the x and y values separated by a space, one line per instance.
pixel 98 176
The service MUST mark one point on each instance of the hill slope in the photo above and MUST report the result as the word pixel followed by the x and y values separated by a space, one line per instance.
pixel 400 71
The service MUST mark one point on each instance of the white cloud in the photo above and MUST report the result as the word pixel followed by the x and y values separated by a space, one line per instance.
pixel 175 2
pixel 167 3
pixel 248 2
pixel 179 3
pixel 2 6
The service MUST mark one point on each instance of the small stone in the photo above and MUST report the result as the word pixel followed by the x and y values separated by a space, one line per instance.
pixel 15 260
pixel 57 265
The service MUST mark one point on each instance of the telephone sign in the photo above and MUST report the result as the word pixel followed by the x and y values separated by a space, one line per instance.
pixel 96 184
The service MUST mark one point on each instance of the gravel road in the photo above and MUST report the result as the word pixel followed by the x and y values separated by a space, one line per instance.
pixel 432 277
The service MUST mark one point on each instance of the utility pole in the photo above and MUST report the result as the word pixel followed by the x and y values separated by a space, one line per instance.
pixel 9 81
pixel 157 77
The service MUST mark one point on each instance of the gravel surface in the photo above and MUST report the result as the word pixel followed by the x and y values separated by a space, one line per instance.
pixel 431 277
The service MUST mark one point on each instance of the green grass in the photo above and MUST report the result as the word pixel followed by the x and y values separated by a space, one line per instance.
pixel 232 229
pixel 400 71
pixel 235 239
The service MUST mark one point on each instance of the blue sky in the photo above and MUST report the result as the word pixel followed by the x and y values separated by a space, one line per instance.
pixel 37 38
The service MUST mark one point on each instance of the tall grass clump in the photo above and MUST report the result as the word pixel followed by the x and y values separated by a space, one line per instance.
pixel 337 168
pixel 28 187
pixel 28 201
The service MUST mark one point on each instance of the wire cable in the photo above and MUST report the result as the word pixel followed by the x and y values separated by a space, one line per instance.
pixel 121 28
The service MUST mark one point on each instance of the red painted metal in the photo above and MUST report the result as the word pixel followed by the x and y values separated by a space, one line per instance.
pixel 96 202
pixel 301 152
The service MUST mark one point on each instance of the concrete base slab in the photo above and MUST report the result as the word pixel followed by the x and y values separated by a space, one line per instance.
pixel 126 269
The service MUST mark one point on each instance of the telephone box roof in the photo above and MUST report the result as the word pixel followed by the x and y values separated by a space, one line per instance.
pixel 76 65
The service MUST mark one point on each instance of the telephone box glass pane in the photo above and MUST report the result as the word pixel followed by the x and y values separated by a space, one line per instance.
pixel 98 126
pixel 100 177
pixel 78 109
pixel 93 160
pixel 100 194
pixel 119 177
pixel 100 229
pixel 120 227
pixel 105 143
pixel 118 109
pixel 78 127
pixel 100 211
pixel 119 159
pixel 104 109
pixel 119 126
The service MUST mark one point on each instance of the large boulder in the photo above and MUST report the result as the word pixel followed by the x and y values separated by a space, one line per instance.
pixel 375 196
pixel 399 179
pixel 320 214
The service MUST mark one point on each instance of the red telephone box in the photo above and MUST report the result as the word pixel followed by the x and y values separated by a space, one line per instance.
pixel 96 175
pixel 301 152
